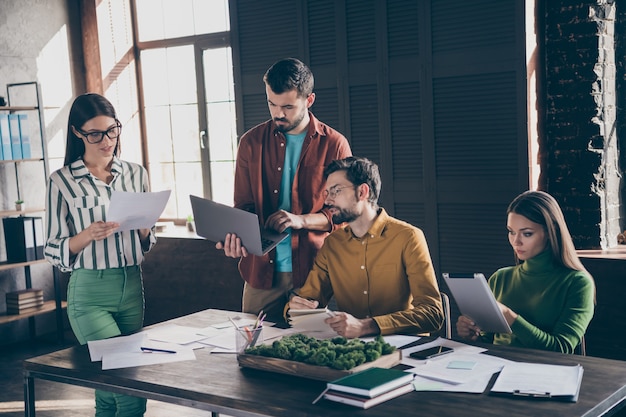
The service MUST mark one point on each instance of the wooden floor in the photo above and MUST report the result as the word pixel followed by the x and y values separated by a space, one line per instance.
pixel 55 399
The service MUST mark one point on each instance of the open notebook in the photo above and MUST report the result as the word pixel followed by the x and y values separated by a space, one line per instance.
pixel 214 220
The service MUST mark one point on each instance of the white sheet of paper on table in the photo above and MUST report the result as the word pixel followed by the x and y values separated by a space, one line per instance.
pixel 174 333
pixel 99 348
pixel 139 358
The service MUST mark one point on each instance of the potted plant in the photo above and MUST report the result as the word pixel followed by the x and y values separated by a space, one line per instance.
pixel 191 226
pixel 19 205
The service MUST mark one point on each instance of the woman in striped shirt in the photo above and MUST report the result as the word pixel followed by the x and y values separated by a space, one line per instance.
pixel 105 292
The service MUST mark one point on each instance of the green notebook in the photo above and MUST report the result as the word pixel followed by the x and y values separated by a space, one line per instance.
pixel 371 382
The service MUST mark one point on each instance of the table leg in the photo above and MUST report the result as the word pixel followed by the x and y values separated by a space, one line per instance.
pixel 29 395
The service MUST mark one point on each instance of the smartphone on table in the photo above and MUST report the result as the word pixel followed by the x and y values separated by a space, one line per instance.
pixel 430 353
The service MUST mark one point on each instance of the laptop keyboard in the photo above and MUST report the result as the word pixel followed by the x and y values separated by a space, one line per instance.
pixel 265 243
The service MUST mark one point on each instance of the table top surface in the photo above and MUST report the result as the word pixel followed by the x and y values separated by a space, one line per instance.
pixel 216 382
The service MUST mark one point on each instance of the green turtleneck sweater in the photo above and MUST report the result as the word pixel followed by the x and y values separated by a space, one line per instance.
pixel 554 304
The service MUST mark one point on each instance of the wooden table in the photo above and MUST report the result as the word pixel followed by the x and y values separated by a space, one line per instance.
pixel 214 382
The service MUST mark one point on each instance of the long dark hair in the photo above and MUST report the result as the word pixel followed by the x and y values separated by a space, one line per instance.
pixel 85 107
pixel 541 208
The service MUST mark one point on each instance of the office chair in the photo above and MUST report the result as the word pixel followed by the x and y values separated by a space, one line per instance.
pixel 447 326
pixel 581 349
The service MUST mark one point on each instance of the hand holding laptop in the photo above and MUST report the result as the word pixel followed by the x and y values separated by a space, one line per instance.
pixel 238 229
pixel 232 246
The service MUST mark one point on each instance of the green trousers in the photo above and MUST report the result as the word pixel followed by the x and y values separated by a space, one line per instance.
pixel 102 304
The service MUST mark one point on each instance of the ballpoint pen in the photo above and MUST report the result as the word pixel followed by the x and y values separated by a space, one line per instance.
pixel 155 350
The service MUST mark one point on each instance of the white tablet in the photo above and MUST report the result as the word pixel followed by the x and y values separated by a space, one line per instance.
pixel 475 300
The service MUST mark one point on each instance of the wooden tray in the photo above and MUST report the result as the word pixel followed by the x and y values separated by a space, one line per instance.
pixel 321 373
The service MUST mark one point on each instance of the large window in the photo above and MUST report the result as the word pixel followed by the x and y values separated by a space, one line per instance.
pixel 188 99
pixel 185 93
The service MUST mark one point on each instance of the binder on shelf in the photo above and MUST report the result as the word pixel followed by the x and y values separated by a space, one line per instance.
pixel 5 137
pixel 39 242
pixel 14 133
pixel 1 148
pixel 24 135
pixel 23 242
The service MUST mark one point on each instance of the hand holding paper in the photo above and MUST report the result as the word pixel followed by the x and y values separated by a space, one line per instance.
pixel 136 210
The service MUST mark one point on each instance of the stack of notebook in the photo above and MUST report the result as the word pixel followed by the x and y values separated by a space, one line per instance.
pixel 369 387
pixel 24 301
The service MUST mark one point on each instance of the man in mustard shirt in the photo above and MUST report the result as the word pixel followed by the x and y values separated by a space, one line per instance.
pixel 378 268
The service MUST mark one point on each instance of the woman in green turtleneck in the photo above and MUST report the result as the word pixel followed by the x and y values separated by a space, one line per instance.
pixel 548 298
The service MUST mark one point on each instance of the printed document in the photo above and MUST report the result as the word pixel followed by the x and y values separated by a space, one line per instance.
pixel 136 210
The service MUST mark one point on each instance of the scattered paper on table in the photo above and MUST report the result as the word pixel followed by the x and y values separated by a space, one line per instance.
pixel 174 333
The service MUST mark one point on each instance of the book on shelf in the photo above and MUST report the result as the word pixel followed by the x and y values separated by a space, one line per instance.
pixel 24 294
pixel 13 311
pixel 34 302
pixel 367 402
pixel 371 382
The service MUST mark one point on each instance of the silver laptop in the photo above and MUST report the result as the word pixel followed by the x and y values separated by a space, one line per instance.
pixel 214 220
pixel 475 300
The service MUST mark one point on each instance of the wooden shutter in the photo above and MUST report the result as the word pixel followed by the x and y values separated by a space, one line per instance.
pixel 433 91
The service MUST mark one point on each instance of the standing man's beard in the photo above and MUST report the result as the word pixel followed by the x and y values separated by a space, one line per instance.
pixel 288 128
pixel 344 216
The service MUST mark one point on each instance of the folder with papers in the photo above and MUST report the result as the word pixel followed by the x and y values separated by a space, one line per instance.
pixel 536 380
pixel 24 135
pixel 14 136
pixel 25 237
pixel 5 137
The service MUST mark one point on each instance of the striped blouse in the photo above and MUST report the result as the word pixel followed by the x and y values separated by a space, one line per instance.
pixel 75 199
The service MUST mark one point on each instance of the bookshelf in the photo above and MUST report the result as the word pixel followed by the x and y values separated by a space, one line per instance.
pixel 29 92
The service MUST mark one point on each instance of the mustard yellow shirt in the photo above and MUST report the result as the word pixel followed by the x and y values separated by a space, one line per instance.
pixel 386 275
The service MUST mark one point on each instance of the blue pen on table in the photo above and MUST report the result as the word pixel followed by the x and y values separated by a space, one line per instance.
pixel 155 350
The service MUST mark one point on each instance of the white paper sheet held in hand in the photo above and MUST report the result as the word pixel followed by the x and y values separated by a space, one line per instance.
pixel 136 210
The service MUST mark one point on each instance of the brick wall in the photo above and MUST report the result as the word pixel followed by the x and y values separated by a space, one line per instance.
pixel 579 147
pixel 620 64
